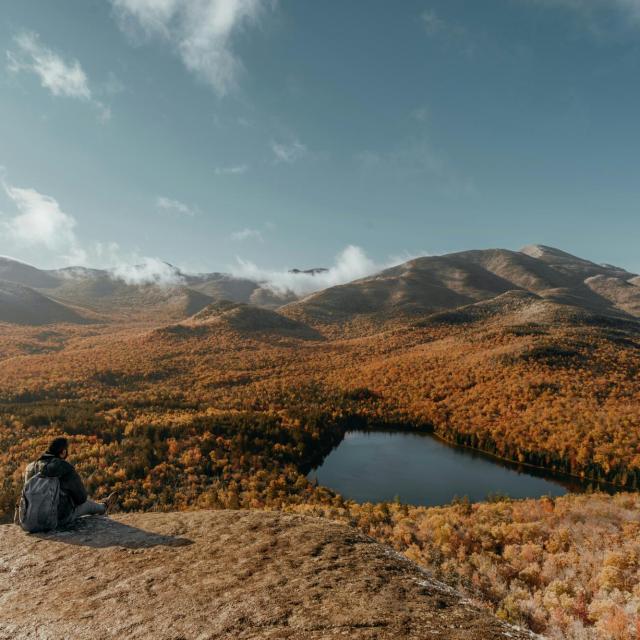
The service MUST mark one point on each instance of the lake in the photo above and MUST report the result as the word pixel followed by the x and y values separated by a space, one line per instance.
pixel 376 466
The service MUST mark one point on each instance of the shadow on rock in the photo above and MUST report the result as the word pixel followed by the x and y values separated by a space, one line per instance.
pixel 101 532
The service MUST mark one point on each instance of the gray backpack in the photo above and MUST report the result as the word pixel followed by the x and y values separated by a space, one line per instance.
pixel 38 510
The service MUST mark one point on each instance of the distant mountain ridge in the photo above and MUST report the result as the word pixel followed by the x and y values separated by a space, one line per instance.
pixel 128 296
pixel 556 280
pixel 435 284
pixel 311 272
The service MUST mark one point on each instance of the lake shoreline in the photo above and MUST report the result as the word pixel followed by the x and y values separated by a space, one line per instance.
pixel 356 474
pixel 585 483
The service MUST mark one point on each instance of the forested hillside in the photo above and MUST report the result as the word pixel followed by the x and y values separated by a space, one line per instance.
pixel 230 407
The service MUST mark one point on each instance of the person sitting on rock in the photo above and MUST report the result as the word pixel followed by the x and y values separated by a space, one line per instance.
pixel 69 491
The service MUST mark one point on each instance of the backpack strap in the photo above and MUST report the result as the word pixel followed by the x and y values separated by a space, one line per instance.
pixel 40 467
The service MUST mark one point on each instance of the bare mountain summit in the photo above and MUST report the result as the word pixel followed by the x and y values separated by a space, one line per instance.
pixel 223 574
pixel 435 284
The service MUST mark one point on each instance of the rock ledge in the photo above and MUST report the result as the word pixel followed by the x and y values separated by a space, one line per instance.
pixel 222 574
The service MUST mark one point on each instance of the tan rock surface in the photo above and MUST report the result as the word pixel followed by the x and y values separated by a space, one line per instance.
pixel 222 574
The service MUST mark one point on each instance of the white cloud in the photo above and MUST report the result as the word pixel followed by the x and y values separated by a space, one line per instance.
pixel 352 263
pixel 288 152
pixel 60 77
pixel 40 222
pixel 231 171
pixel 174 206
pixel 133 268
pixel 200 31
pixel 41 225
pixel 247 234
pixel 448 33
pixel 433 24
pixel 147 270
pixel 108 252
pixel 596 14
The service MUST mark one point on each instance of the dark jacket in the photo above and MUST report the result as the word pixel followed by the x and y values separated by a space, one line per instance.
pixel 72 491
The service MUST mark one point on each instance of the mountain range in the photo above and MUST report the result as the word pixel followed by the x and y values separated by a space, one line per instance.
pixel 537 280
pixel 103 295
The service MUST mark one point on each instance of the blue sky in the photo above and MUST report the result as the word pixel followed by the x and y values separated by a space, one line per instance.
pixel 262 135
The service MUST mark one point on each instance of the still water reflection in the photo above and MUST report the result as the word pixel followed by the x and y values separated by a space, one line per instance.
pixel 379 466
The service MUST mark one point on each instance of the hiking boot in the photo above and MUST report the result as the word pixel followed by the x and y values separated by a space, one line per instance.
pixel 110 502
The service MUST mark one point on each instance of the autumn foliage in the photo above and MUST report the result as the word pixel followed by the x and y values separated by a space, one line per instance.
pixel 207 415
pixel 560 397
pixel 567 567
